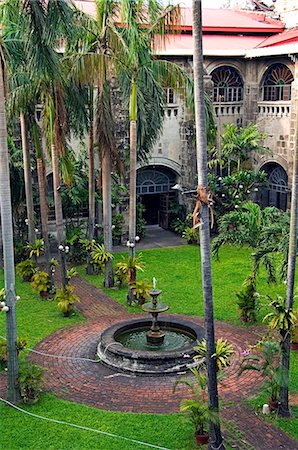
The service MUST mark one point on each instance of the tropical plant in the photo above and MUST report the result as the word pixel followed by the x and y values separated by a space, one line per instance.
pixel 237 144
pixel 41 283
pixel 196 407
pixel 117 228
pixel 36 248
pixel 266 231
pixel 191 235
pixel 100 257
pixel 21 344
pixel 267 363
pixel 247 300
pixel 281 318
pixel 66 299
pixel 222 355
pixel 26 269
pixel 141 290
pixel 30 381
pixel 129 265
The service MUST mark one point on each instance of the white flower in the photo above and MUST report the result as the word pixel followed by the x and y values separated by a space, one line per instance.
pixel 256 295
pixel 61 248
pixel 36 230
pixel 223 195
pixel 248 192
pixel 240 186
pixel 256 189
pixel 26 221
pixel 236 206
pixel 93 241
pixel 66 249
pixel 113 227
pixel 237 196
pixel 219 178
pixel 286 281
pixel 137 238
pixel 18 298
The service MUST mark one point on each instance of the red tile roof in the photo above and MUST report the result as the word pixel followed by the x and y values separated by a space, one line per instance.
pixel 287 37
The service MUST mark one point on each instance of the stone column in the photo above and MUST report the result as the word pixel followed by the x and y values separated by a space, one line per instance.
pixel 251 93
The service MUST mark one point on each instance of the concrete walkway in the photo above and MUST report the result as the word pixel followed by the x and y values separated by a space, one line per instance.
pixel 156 237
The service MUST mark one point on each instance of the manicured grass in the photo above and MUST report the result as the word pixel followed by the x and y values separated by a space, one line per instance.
pixel 18 430
pixel 36 317
pixel 178 274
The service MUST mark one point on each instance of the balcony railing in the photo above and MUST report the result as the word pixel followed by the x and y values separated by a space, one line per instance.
pixel 274 109
pixel 228 109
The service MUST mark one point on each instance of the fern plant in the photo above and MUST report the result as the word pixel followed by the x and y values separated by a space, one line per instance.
pixel 247 300
pixel 66 299
pixel 100 257
pixel 30 381
pixel 26 269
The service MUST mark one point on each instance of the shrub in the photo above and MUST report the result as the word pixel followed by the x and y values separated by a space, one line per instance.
pixel 66 299
pixel 41 282
pixel 246 300
pixel 30 381
pixel 36 249
pixel 223 352
pixel 21 344
pixel 100 257
pixel 26 269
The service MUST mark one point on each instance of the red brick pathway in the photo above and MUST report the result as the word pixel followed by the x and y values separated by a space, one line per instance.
pixel 97 385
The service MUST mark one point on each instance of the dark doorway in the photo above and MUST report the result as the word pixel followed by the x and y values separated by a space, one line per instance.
pixel 151 204
pixel 276 192
pixel 154 188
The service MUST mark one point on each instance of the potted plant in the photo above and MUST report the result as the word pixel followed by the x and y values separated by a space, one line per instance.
pixel 196 407
pixel 141 290
pixel 268 364
pixel 223 352
pixel 26 269
pixel 66 299
pixel 41 283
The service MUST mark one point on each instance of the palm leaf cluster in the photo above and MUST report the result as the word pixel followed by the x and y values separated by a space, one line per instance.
pixel 265 231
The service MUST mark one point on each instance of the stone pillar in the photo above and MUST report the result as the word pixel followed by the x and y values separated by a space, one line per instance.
pixel 251 93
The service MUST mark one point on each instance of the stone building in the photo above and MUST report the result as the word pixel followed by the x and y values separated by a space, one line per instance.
pixel 251 63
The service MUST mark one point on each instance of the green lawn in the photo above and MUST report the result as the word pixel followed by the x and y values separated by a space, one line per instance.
pixel 36 318
pixel 178 274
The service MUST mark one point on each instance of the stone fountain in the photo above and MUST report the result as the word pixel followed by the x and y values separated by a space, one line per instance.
pixel 155 346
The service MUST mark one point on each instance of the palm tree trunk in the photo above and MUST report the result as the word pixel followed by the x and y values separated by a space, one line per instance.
pixel 91 185
pixel 133 171
pixel 201 144
pixel 13 393
pixel 58 214
pixel 28 181
pixel 285 363
pixel 107 214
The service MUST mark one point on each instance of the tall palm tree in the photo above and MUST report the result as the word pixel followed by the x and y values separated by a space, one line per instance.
pixel 142 78
pixel 7 233
pixel 284 391
pixel 27 179
pixel 201 144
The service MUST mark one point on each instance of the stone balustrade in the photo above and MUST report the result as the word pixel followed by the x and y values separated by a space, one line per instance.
pixel 274 109
pixel 228 109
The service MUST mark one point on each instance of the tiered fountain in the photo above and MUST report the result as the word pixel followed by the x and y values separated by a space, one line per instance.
pixel 150 347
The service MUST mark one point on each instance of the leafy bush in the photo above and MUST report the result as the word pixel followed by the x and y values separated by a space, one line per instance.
pixel 141 289
pixel 21 344
pixel 222 355
pixel 26 269
pixel 191 235
pixel 41 282
pixel 36 249
pixel 100 257
pixel 117 232
pixel 247 300
pixel 66 299
pixel 129 266
pixel 30 381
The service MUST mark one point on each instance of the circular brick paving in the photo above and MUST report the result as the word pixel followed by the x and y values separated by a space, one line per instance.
pixel 95 384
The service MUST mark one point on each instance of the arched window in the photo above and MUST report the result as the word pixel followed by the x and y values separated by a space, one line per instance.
pixel 276 84
pixel 228 85
pixel 152 181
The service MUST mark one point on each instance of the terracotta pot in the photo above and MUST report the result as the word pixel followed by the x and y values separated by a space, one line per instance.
pixel 294 345
pixel 201 439
pixel 273 404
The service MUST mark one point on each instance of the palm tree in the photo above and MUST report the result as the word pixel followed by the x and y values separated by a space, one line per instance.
pixel 28 180
pixel 285 363
pixel 142 79
pixel 201 143
pixel 7 233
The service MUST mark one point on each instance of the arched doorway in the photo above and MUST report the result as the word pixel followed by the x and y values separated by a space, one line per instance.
pixel 154 190
pixel 276 192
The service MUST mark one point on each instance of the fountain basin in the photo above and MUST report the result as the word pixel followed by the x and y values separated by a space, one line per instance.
pixel 116 350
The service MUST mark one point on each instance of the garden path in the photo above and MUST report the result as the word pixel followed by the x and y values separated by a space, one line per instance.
pixel 96 385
